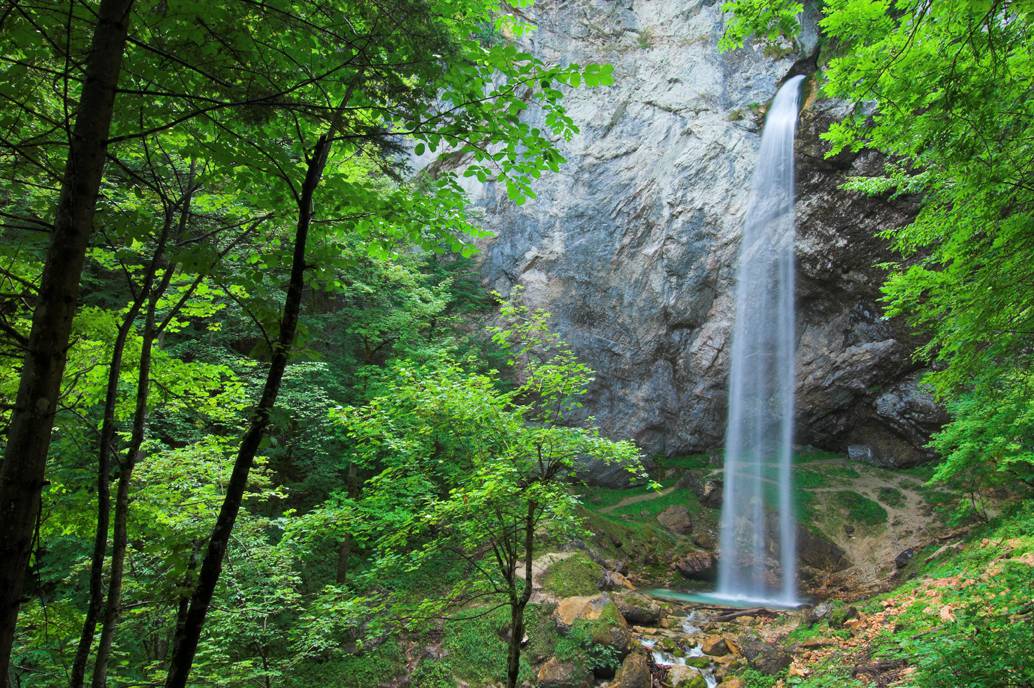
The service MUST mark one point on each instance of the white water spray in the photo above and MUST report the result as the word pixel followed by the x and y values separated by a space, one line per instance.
pixel 759 434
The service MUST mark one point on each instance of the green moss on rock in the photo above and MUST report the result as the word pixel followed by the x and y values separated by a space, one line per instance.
pixel 575 575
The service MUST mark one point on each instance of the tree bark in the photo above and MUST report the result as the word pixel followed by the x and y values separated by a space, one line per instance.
pixel 32 423
pixel 104 454
pixel 120 538
pixel 113 603
pixel 518 603
pixel 186 641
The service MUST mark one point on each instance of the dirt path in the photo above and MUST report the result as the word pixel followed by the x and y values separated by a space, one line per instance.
pixel 627 501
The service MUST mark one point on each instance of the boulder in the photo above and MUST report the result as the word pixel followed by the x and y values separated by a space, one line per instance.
pixel 714 645
pixel 732 682
pixel 600 616
pixel 612 580
pixel 766 657
pixel 818 612
pixel 681 676
pixel 633 673
pixel 904 557
pixel 704 540
pixel 711 494
pixel 638 609
pixel 557 674
pixel 676 519
pixel 698 565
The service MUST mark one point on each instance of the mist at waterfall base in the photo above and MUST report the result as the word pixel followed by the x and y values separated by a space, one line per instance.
pixel 758 524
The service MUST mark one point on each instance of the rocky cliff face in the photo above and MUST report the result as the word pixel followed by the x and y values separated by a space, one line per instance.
pixel 633 245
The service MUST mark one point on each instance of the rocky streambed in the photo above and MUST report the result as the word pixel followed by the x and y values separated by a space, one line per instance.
pixel 661 644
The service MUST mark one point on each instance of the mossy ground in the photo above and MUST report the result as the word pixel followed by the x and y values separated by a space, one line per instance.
pixel 575 575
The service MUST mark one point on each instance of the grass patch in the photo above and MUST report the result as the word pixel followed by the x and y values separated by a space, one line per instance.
pixel 649 509
pixel 476 649
pixel 687 462
pixel 891 496
pixel 860 509
pixel 839 470
pixel 810 454
pixel 597 498
pixel 575 575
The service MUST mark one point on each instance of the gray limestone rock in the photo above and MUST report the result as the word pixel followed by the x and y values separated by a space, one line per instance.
pixel 632 246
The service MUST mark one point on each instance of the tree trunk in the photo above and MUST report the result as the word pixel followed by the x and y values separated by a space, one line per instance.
pixel 21 477
pixel 186 641
pixel 513 660
pixel 519 602
pixel 104 454
pixel 113 604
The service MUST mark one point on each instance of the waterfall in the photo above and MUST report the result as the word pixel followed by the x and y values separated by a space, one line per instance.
pixel 758 523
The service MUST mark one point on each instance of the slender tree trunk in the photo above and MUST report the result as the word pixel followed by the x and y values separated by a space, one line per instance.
pixel 104 454
pixel 113 603
pixel 21 477
pixel 184 602
pixel 518 602
pixel 186 641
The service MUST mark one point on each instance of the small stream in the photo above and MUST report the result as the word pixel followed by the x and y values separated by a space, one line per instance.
pixel 687 652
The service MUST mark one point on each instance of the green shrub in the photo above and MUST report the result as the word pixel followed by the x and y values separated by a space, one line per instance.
pixel 579 647
pixel 433 673
pixel 377 666
pixel 476 648
pixel 990 643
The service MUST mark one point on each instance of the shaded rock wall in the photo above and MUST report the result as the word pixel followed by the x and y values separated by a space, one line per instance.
pixel 633 245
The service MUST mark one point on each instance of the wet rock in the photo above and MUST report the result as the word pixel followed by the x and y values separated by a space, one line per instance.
pixel 681 676
pixel 638 609
pixel 704 540
pixel 676 519
pixel 634 672
pixel 714 645
pixel 768 658
pixel 698 565
pixel 557 674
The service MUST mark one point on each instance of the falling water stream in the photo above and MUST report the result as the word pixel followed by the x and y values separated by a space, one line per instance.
pixel 758 524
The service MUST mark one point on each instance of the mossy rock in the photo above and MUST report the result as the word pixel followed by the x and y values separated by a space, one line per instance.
pixel 634 672
pixel 699 662
pixel 681 676
pixel 638 609
pixel 560 674
pixel 575 575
